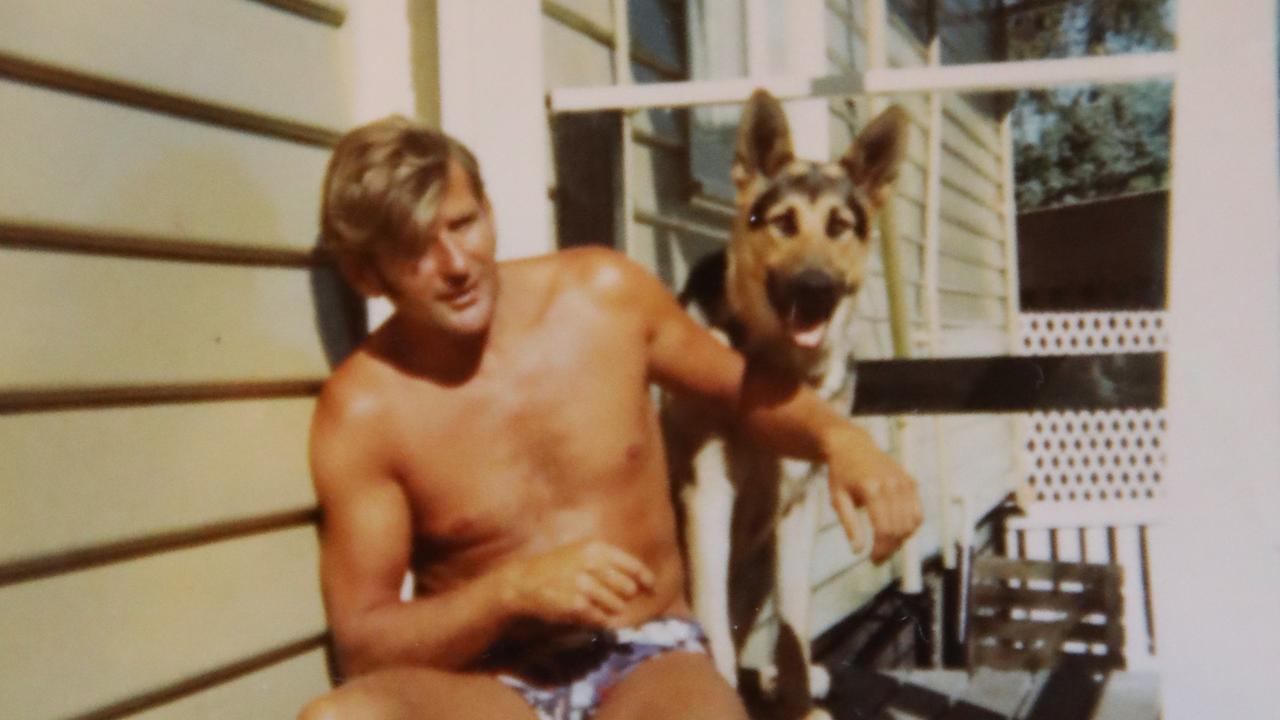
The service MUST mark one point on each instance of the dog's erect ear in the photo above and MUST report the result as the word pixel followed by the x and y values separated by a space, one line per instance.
pixel 874 156
pixel 764 139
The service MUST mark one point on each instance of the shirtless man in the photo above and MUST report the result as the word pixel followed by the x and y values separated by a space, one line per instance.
pixel 497 437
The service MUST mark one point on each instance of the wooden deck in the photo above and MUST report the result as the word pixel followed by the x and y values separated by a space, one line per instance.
pixel 1069 692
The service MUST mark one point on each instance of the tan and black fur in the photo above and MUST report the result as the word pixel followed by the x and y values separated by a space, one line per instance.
pixel 782 292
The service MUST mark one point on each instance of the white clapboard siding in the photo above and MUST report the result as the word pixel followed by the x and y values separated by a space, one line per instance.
pixel 277 691
pixel 573 58
pixel 599 12
pixel 76 162
pixel 244 55
pixel 163 326
pixel 958 274
pixel 976 340
pixel 78 642
pixel 82 478
pixel 86 320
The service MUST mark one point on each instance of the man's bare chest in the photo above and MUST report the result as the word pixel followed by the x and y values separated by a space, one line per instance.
pixel 524 450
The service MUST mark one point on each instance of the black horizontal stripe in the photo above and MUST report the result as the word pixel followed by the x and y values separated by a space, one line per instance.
pixel 1010 384
pixel 185 108
pixel 59 563
pixel 94 242
pixel 40 399
pixel 324 12
pixel 206 680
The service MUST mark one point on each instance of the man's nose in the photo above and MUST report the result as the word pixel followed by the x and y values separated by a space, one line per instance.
pixel 451 261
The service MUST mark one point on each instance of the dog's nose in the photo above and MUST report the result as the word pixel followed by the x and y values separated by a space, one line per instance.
pixel 814 283
pixel 814 294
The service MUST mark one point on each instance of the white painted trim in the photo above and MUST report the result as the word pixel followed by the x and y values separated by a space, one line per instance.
pixel 947 536
pixel 900 430
pixel 877 26
pixel 757 37
pixel 1013 283
pixel 670 222
pixel 376 40
pixel 933 210
pixel 810 119
pixel 622 78
pixel 493 102
pixel 1216 563
pixel 1071 516
pixel 1023 74
pixel 972 77
pixel 698 92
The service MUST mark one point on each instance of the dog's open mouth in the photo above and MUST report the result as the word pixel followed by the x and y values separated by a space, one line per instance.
pixel 805 302
pixel 810 336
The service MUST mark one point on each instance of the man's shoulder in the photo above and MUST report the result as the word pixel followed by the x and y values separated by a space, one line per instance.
pixel 602 272
pixel 355 393
pixel 581 261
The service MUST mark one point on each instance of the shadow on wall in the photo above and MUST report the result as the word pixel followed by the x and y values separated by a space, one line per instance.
pixel 262 294
pixel 341 316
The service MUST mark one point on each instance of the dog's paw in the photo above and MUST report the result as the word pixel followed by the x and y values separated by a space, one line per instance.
pixel 819 681
pixel 768 678
pixel 817 713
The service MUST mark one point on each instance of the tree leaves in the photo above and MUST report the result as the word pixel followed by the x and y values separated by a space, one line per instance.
pixel 1082 143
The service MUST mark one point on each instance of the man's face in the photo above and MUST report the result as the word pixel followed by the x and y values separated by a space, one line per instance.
pixel 451 283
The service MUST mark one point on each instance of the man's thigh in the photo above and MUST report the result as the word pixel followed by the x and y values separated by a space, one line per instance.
pixel 420 694
pixel 677 685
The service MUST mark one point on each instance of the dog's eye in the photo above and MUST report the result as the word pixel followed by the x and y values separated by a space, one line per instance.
pixel 837 225
pixel 785 224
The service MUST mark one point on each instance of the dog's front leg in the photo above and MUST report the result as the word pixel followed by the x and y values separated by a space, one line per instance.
pixel 708 503
pixel 795 537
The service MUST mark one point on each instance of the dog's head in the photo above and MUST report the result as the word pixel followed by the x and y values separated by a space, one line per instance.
pixel 802 234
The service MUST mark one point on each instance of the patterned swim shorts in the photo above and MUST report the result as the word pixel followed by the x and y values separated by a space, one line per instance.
pixel 618 652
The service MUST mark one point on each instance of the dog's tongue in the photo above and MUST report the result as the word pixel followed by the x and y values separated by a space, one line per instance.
pixel 810 337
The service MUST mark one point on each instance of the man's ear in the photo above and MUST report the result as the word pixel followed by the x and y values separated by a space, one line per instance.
pixel 873 158
pixel 764 140
pixel 359 272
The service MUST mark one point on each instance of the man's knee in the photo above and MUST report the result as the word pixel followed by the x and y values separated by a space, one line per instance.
pixel 346 703
pixel 676 685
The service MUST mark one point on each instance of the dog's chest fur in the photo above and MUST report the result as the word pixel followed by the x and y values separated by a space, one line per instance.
pixel 828 370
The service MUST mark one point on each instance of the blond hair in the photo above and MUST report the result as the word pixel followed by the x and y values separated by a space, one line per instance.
pixel 383 186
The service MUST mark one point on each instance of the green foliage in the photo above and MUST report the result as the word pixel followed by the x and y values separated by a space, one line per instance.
pixel 1083 143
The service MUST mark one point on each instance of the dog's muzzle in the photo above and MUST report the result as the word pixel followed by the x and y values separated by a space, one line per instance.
pixel 804 302
pixel 806 298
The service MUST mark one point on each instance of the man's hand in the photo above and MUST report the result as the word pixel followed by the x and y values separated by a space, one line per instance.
pixel 586 583
pixel 859 474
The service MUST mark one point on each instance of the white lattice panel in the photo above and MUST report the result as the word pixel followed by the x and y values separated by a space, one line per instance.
pixel 1092 478
pixel 1093 333
pixel 1115 456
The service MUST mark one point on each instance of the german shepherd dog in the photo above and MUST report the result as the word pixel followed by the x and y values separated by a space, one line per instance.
pixel 782 293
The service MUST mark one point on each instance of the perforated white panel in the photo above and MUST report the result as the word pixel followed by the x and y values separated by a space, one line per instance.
pixel 1092 477
pixel 1093 333
pixel 1095 457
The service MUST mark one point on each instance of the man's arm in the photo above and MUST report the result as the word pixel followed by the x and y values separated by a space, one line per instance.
pixel 366 546
pixel 787 417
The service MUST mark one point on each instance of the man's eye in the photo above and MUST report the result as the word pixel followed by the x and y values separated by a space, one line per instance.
pixel 785 224
pixel 462 222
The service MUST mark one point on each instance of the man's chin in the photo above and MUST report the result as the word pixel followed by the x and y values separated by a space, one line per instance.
pixel 471 322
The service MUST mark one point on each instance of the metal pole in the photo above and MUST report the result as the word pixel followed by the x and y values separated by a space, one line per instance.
pixel 899 314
